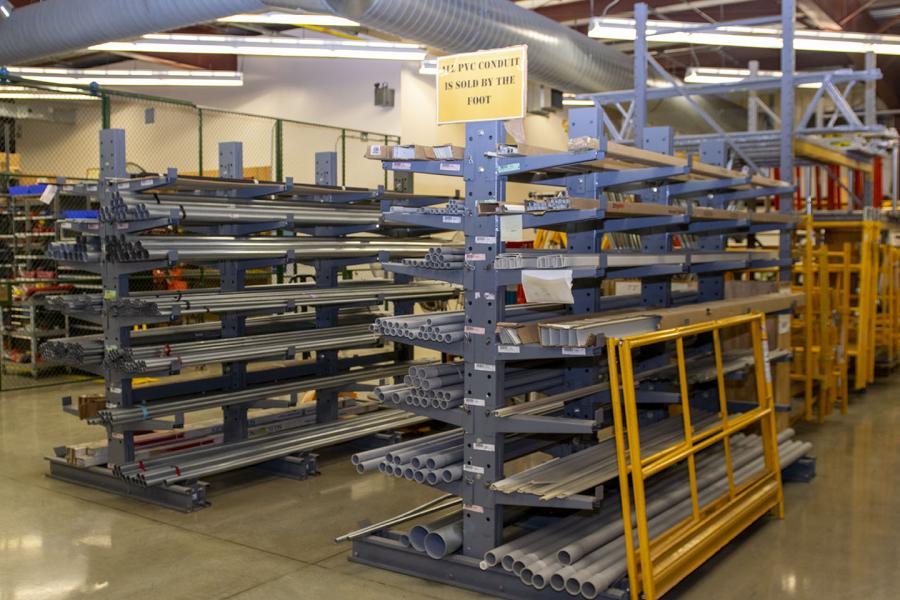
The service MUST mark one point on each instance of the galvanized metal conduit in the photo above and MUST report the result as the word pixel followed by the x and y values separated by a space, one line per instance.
pixel 119 416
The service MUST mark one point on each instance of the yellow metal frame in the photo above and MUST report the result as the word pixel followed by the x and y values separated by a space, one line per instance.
pixel 655 566
pixel 820 334
pixel 888 317
pixel 863 273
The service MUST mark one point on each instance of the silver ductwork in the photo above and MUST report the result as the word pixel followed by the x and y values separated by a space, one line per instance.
pixel 558 56
pixel 54 27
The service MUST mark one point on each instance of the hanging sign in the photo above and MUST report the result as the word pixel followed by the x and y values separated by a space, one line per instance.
pixel 487 85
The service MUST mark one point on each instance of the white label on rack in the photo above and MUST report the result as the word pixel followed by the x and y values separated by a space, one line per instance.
pixel 573 351
pixel 485 239
pixel 474 508
pixel 485 367
pixel 451 219
pixel 473 469
pixel 402 166
pixel 483 447
pixel 473 401
pixel 474 330
pixel 489 296
pixel 508 349
pixel 456 167
pixel 66 225
pixel 784 324
pixel 49 194
pixel 114 389
pixel 122 226
pixel 513 166
pixel 475 257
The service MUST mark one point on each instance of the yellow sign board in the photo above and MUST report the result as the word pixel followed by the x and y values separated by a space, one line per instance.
pixel 486 85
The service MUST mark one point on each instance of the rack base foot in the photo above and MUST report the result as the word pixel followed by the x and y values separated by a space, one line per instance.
pixel 459 571
pixel 177 497
pixel 802 471
pixel 297 466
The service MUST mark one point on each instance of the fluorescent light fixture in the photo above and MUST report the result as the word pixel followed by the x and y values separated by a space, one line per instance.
pixel 266 46
pixel 571 100
pixel 6 9
pixel 428 67
pixel 728 75
pixel 746 37
pixel 130 77
pixel 18 92
pixel 284 18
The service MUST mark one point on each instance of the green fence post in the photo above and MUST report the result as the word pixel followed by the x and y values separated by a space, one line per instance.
pixel 105 119
pixel 200 144
pixel 279 150
pixel 386 137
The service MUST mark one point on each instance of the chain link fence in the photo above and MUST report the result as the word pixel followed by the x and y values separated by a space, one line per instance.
pixel 49 133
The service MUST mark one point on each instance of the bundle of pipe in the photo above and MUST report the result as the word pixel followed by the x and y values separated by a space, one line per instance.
pixel 434 459
pixel 175 467
pixel 268 297
pixel 562 556
pixel 122 415
pixel 440 385
pixel 439 504
pixel 448 327
pixel 439 258
pixel 285 345
pixel 215 248
pixel 568 475
pixel 85 248
pixel 438 538
pixel 82 350
pixel 187 210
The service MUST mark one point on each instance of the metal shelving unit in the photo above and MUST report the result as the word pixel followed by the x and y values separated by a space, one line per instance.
pixel 249 332
pixel 491 430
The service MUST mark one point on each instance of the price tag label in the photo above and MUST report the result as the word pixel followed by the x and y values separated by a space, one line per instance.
pixel 573 351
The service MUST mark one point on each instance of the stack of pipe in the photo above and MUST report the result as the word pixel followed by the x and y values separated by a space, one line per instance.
pixel 269 297
pixel 568 475
pixel 216 248
pixel 449 327
pixel 444 258
pixel 432 460
pixel 452 207
pixel 543 203
pixel 82 349
pixel 191 210
pixel 284 345
pixel 85 248
pixel 123 415
pixel 186 465
pixel 439 385
pixel 565 557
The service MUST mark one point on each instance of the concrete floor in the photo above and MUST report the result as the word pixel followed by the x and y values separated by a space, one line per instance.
pixel 271 538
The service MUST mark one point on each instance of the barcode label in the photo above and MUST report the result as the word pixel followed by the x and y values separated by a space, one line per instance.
pixel 483 447
pixel 483 239
pixel 474 330
pixel 473 469
pixel 485 367
pixel 456 167
pixel 473 401
pixel 474 508
pixel 451 219
pixel 475 257
pixel 402 166
pixel 508 349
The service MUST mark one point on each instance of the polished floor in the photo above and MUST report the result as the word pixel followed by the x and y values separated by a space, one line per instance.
pixel 272 538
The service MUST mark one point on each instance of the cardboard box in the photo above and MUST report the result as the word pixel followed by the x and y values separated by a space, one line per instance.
pixel 409 152
pixel 379 151
pixel 445 152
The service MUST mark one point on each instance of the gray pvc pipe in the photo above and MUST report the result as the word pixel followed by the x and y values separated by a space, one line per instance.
pixel 446 540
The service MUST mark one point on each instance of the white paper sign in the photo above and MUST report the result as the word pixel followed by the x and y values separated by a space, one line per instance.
pixel 49 194
pixel 548 285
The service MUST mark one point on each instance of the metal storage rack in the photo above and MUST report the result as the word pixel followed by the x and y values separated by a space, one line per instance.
pixel 488 425
pixel 109 246
pixel 27 322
